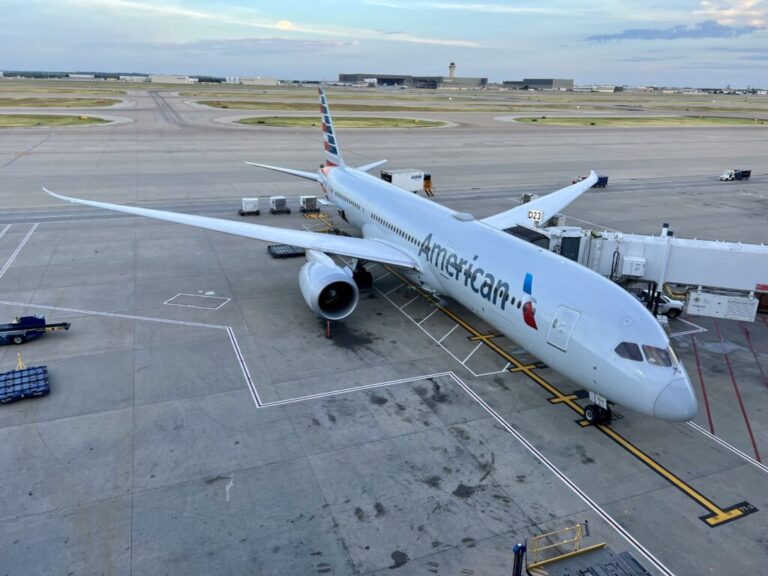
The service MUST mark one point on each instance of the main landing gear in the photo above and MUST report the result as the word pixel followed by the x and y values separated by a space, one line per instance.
pixel 598 412
pixel 361 276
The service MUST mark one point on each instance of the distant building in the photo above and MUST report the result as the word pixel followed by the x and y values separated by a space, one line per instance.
pixel 1 73
pixel 81 76
pixel 608 88
pixel 539 84
pixel 413 81
pixel 133 78
pixel 171 79
pixel 259 81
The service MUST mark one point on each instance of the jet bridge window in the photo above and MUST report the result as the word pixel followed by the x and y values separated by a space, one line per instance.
pixel 657 356
pixel 630 351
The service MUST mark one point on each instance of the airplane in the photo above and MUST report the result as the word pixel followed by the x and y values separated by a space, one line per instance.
pixel 572 319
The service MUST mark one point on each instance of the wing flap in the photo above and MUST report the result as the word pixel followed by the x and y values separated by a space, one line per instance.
pixel 542 208
pixel 364 248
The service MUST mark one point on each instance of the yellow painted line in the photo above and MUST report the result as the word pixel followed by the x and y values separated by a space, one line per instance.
pixel 524 368
pixel 718 516
pixel 485 337
pixel 566 556
pixel 560 400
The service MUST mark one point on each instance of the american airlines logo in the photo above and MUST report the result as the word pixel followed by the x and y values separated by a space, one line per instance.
pixel 473 276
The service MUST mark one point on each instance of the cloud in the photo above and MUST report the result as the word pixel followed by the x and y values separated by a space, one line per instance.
pixel 707 29
pixel 237 46
pixel 486 8
pixel 246 17
pixel 749 12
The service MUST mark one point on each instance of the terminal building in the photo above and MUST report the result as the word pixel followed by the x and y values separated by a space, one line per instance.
pixel 539 84
pixel 171 79
pixel 408 81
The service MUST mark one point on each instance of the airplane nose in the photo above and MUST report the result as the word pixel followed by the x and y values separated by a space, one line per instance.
pixel 676 402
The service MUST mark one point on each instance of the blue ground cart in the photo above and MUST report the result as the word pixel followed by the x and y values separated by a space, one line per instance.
pixel 28 328
pixel 24 383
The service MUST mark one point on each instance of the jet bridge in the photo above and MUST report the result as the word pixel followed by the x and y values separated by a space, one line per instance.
pixel 718 279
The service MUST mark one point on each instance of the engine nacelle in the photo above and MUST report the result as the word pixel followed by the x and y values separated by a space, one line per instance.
pixel 328 289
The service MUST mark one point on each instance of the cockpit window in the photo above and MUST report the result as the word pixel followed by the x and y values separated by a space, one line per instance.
pixel 630 351
pixel 657 356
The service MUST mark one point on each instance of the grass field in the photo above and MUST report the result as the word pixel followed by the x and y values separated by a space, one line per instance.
pixel 34 120
pixel 339 122
pixel 628 122
pixel 56 102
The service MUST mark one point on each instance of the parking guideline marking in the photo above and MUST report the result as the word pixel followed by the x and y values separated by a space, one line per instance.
pixel 716 516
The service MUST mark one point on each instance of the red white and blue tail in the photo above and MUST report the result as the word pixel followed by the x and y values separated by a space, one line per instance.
pixel 332 151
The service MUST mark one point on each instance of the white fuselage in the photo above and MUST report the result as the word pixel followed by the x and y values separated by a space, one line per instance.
pixel 567 316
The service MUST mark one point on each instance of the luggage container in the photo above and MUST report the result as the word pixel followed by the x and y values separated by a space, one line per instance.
pixel 250 207
pixel 278 205
pixel 308 204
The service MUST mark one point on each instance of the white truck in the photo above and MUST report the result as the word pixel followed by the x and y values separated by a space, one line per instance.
pixel 730 175
pixel 407 179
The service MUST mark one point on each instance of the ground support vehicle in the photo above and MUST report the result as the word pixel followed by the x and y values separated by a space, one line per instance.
pixel 28 328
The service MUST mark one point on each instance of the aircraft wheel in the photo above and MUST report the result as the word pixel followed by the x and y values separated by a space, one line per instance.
pixel 604 415
pixel 591 413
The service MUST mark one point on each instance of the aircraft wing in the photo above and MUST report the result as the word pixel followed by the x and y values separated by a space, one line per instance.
pixel 363 248
pixel 542 208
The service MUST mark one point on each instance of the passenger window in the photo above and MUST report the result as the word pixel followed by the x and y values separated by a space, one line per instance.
pixel 630 351
pixel 657 356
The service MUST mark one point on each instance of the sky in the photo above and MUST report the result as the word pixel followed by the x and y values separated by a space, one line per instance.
pixel 704 43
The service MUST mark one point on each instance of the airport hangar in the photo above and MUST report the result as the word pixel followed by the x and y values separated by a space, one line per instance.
pixel 200 422
pixel 407 81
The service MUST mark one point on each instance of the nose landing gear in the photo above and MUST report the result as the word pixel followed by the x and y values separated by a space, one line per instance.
pixel 598 412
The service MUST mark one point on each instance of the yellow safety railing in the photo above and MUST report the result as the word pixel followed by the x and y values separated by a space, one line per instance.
pixel 326 222
pixel 566 543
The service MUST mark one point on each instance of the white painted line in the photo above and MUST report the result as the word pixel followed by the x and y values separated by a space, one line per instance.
pixel 170 301
pixel 353 389
pixel 565 479
pixel 473 351
pixel 113 315
pixel 444 337
pixel 427 317
pixel 697 329
pixel 18 249
pixel 409 301
pixel 482 374
pixel 244 368
pixel 518 436
pixel 7 226
pixel 230 333
pixel 385 294
pixel 729 447
pixel 387 273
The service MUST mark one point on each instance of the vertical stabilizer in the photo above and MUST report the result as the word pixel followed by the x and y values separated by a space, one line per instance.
pixel 332 152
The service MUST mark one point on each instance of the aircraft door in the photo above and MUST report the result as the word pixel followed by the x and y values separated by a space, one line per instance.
pixel 562 327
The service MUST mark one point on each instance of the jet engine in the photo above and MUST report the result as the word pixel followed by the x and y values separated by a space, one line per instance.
pixel 328 289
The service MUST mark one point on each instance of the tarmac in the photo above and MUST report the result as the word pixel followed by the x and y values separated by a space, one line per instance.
pixel 200 421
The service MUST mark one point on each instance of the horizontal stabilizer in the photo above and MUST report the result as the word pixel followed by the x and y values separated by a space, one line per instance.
pixel 363 248
pixel 371 166
pixel 299 173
